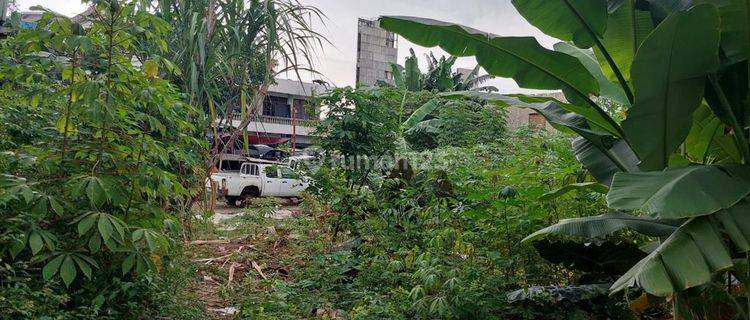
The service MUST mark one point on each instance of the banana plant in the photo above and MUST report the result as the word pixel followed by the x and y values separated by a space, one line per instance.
pixel 439 77
pixel 676 167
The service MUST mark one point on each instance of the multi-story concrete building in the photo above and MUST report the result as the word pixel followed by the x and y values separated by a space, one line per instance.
pixel 286 115
pixel 376 50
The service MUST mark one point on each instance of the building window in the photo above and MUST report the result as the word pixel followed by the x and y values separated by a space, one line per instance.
pixel 300 112
pixel 390 40
pixel 277 107
pixel 388 75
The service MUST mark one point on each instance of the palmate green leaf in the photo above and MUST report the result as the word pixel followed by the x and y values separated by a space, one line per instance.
pixel 105 228
pixel 91 187
pixel 83 266
pixel 680 193
pixel 127 263
pixel 669 83
pixel 68 270
pixel 521 58
pixel 17 245
pixel 57 207
pixel 578 21
pixel 35 242
pixel 692 254
pixel 581 187
pixel 606 224
pixel 108 226
pixel 85 224
pixel 95 243
pixel 50 269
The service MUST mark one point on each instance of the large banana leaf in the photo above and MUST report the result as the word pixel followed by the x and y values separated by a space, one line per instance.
pixel 594 120
pixel 603 164
pixel 734 34
pixel 602 154
pixel 398 76
pixel 606 224
pixel 580 187
pixel 412 76
pixel 627 27
pixel 521 58
pixel 691 255
pixel 418 115
pixel 607 88
pixel 707 141
pixel 669 74
pixel 680 193
pixel 600 261
pixel 734 26
pixel 731 84
pixel 431 126
pixel 578 21
pixel 570 122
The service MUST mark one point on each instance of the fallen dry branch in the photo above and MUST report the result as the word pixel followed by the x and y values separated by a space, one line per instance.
pixel 231 272
pixel 210 260
pixel 260 271
pixel 200 242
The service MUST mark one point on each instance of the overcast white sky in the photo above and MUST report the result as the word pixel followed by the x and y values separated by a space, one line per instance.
pixel 337 62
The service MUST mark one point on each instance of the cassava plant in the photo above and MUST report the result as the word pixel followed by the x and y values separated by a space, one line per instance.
pixel 91 195
pixel 676 167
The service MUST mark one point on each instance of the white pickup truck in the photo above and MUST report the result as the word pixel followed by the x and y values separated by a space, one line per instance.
pixel 258 179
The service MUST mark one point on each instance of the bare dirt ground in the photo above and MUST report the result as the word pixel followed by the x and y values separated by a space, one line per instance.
pixel 224 262
pixel 224 212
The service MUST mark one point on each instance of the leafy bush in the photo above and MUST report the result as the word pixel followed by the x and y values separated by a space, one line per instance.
pixel 99 159
pixel 434 238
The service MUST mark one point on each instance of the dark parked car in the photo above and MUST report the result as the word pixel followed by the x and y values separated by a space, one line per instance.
pixel 262 151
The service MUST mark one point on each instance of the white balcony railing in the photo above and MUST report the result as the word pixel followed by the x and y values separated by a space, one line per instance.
pixel 280 120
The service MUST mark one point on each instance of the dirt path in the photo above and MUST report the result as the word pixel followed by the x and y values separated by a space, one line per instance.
pixel 221 261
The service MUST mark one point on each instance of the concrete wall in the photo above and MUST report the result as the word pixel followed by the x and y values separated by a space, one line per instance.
pixel 520 117
pixel 376 50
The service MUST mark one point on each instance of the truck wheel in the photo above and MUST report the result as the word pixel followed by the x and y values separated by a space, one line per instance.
pixel 232 201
